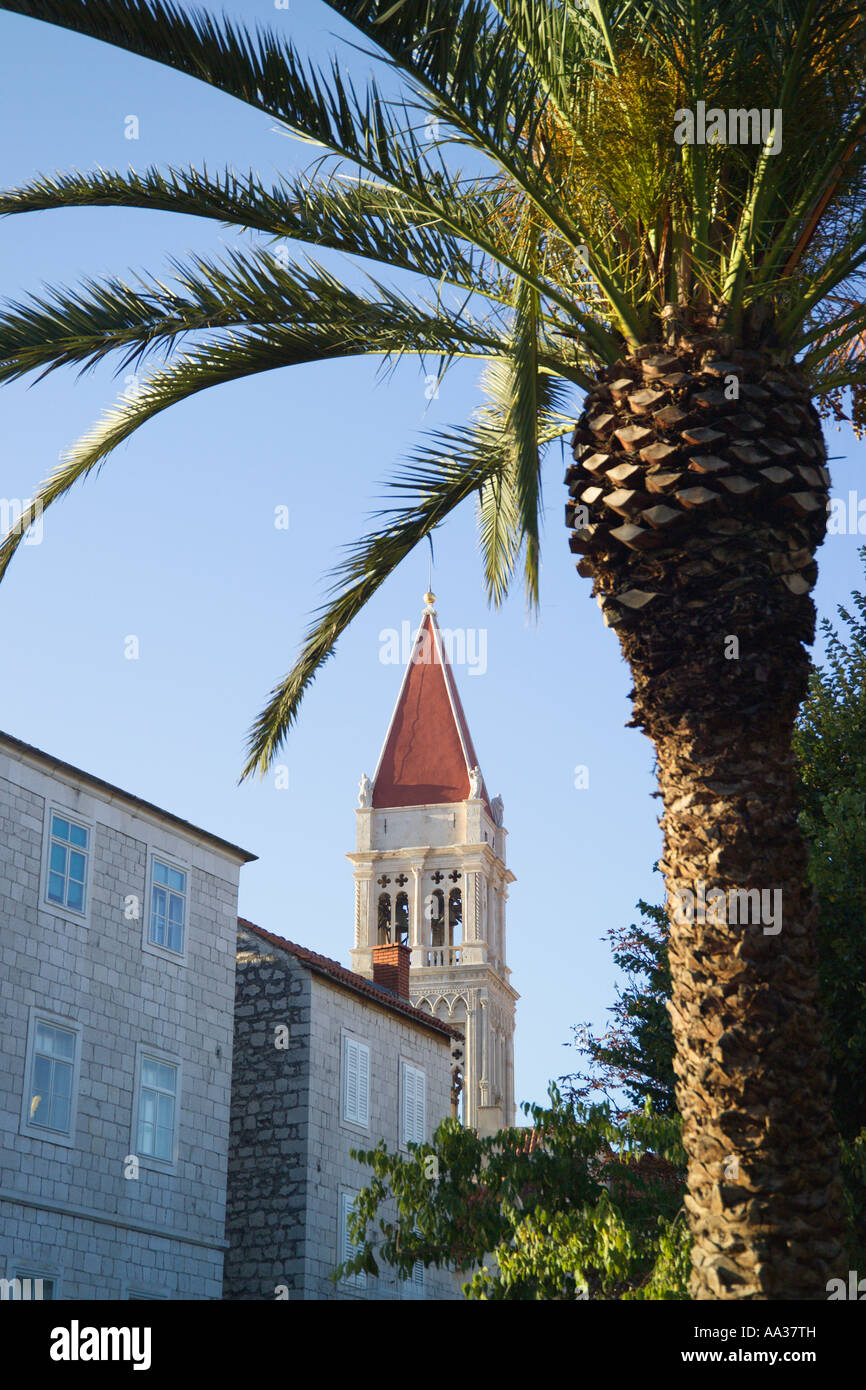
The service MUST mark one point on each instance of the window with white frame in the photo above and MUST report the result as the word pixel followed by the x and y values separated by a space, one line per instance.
pixel 414 1088
pixel 51 1096
pixel 36 1286
pixel 348 1249
pixel 157 1108
pixel 68 854
pixel 168 895
pixel 356 1082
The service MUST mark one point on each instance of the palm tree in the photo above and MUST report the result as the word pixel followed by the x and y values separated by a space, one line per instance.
pixel 665 209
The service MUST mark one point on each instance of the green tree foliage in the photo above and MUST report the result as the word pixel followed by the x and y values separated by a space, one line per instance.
pixel 580 1205
pixel 831 745
pixel 635 1055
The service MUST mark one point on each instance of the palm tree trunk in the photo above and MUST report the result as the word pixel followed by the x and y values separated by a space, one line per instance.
pixel 705 492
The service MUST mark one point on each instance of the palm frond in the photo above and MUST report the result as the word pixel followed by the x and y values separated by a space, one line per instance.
pixel 500 530
pixel 248 288
pixel 437 479
pixel 344 215
pixel 234 355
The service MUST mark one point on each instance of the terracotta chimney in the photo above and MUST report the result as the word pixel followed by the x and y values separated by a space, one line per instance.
pixel 391 968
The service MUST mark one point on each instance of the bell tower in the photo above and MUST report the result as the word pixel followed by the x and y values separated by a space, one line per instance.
pixel 430 874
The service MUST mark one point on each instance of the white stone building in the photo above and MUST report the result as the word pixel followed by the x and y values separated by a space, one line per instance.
pixel 430 872
pixel 325 1062
pixel 117 960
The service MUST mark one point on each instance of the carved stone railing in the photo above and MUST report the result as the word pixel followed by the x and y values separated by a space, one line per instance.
pixel 443 955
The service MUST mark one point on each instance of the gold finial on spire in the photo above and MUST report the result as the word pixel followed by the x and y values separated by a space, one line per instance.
pixel 429 602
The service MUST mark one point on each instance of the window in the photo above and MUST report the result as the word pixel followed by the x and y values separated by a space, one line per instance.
pixel 29 1284
pixel 383 933
pixel 52 1078
pixel 455 917
pixel 157 1108
pixel 348 1249
pixel 68 854
pixel 49 1092
pixel 356 1082
pixel 436 913
pixel 167 907
pixel 401 919
pixel 414 1104
pixel 413 1282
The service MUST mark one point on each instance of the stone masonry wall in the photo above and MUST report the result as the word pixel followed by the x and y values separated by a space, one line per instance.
pixel 289 1156
pixel 267 1175
pixel 392 1039
pixel 69 1210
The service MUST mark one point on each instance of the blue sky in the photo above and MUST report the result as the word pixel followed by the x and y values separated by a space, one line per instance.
pixel 175 543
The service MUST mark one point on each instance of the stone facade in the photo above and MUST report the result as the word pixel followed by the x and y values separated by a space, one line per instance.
pixel 71 1208
pixel 289 1158
pixel 462 978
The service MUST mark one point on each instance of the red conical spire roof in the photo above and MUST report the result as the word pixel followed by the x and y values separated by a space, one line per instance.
pixel 428 752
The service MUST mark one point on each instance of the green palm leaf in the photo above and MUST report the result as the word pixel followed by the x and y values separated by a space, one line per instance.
pixel 588 220
pixel 438 479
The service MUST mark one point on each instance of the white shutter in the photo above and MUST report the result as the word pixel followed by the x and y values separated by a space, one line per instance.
pixel 418 1274
pixel 408 1102
pixel 414 1104
pixel 420 1106
pixel 363 1084
pixel 347 1247
pixel 350 1079
pixel 356 1082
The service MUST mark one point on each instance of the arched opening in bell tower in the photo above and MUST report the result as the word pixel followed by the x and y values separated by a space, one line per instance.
pixel 383 930
pixel 401 919
pixel 455 917
pixel 436 902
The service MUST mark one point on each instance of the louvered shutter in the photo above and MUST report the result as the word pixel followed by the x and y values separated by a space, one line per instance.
pixel 363 1070
pixel 356 1082
pixel 414 1102
pixel 408 1102
pixel 407 1097
pixel 347 1247
pixel 420 1106
pixel 350 1079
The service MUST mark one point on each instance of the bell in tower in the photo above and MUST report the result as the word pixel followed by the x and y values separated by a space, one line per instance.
pixel 430 874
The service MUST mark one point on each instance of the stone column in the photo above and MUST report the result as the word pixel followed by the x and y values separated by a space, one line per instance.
pixel 484 1051
pixel 417 928
pixel 482 909
pixel 503 899
pixel 470 1065
pixel 368 912
pixel 470 907
pixel 416 939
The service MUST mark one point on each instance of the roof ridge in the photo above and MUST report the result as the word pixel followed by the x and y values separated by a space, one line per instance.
pixel 18 747
pixel 342 975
